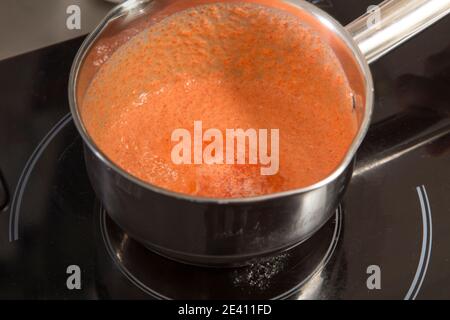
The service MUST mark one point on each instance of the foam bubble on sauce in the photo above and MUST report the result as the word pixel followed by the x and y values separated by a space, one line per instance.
pixel 230 66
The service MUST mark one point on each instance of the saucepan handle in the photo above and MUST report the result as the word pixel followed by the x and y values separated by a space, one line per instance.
pixel 386 26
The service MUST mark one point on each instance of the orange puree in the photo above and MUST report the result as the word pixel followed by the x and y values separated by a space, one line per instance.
pixel 229 65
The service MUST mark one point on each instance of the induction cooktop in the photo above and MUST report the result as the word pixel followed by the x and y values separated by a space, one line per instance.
pixel 389 237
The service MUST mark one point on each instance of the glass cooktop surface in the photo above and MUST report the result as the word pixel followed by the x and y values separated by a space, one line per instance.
pixel 389 238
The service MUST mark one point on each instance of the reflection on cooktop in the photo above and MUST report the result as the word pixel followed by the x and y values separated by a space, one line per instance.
pixel 271 277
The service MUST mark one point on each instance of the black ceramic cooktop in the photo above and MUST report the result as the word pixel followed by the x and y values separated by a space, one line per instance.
pixel 390 237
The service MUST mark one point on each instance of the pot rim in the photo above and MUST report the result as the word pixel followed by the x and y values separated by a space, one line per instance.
pixel 332 24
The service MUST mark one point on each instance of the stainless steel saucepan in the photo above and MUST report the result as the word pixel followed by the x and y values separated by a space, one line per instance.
pixel 218 232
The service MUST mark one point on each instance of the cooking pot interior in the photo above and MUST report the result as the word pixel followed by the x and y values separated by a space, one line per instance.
pixel 125 21
pixel 128 19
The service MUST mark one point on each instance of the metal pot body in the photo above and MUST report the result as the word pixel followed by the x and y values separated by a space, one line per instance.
pixel 234 231
pixel 214 234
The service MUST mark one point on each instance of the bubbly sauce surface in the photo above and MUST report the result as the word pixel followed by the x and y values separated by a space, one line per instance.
pixel 229 66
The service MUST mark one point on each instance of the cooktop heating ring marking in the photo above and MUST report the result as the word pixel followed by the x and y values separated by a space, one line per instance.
pixel 427 241
pixel 326 259
pixel 124 270
pixel 25 175
pixel 143 287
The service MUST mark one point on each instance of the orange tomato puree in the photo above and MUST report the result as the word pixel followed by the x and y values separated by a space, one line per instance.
pixel 230 65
